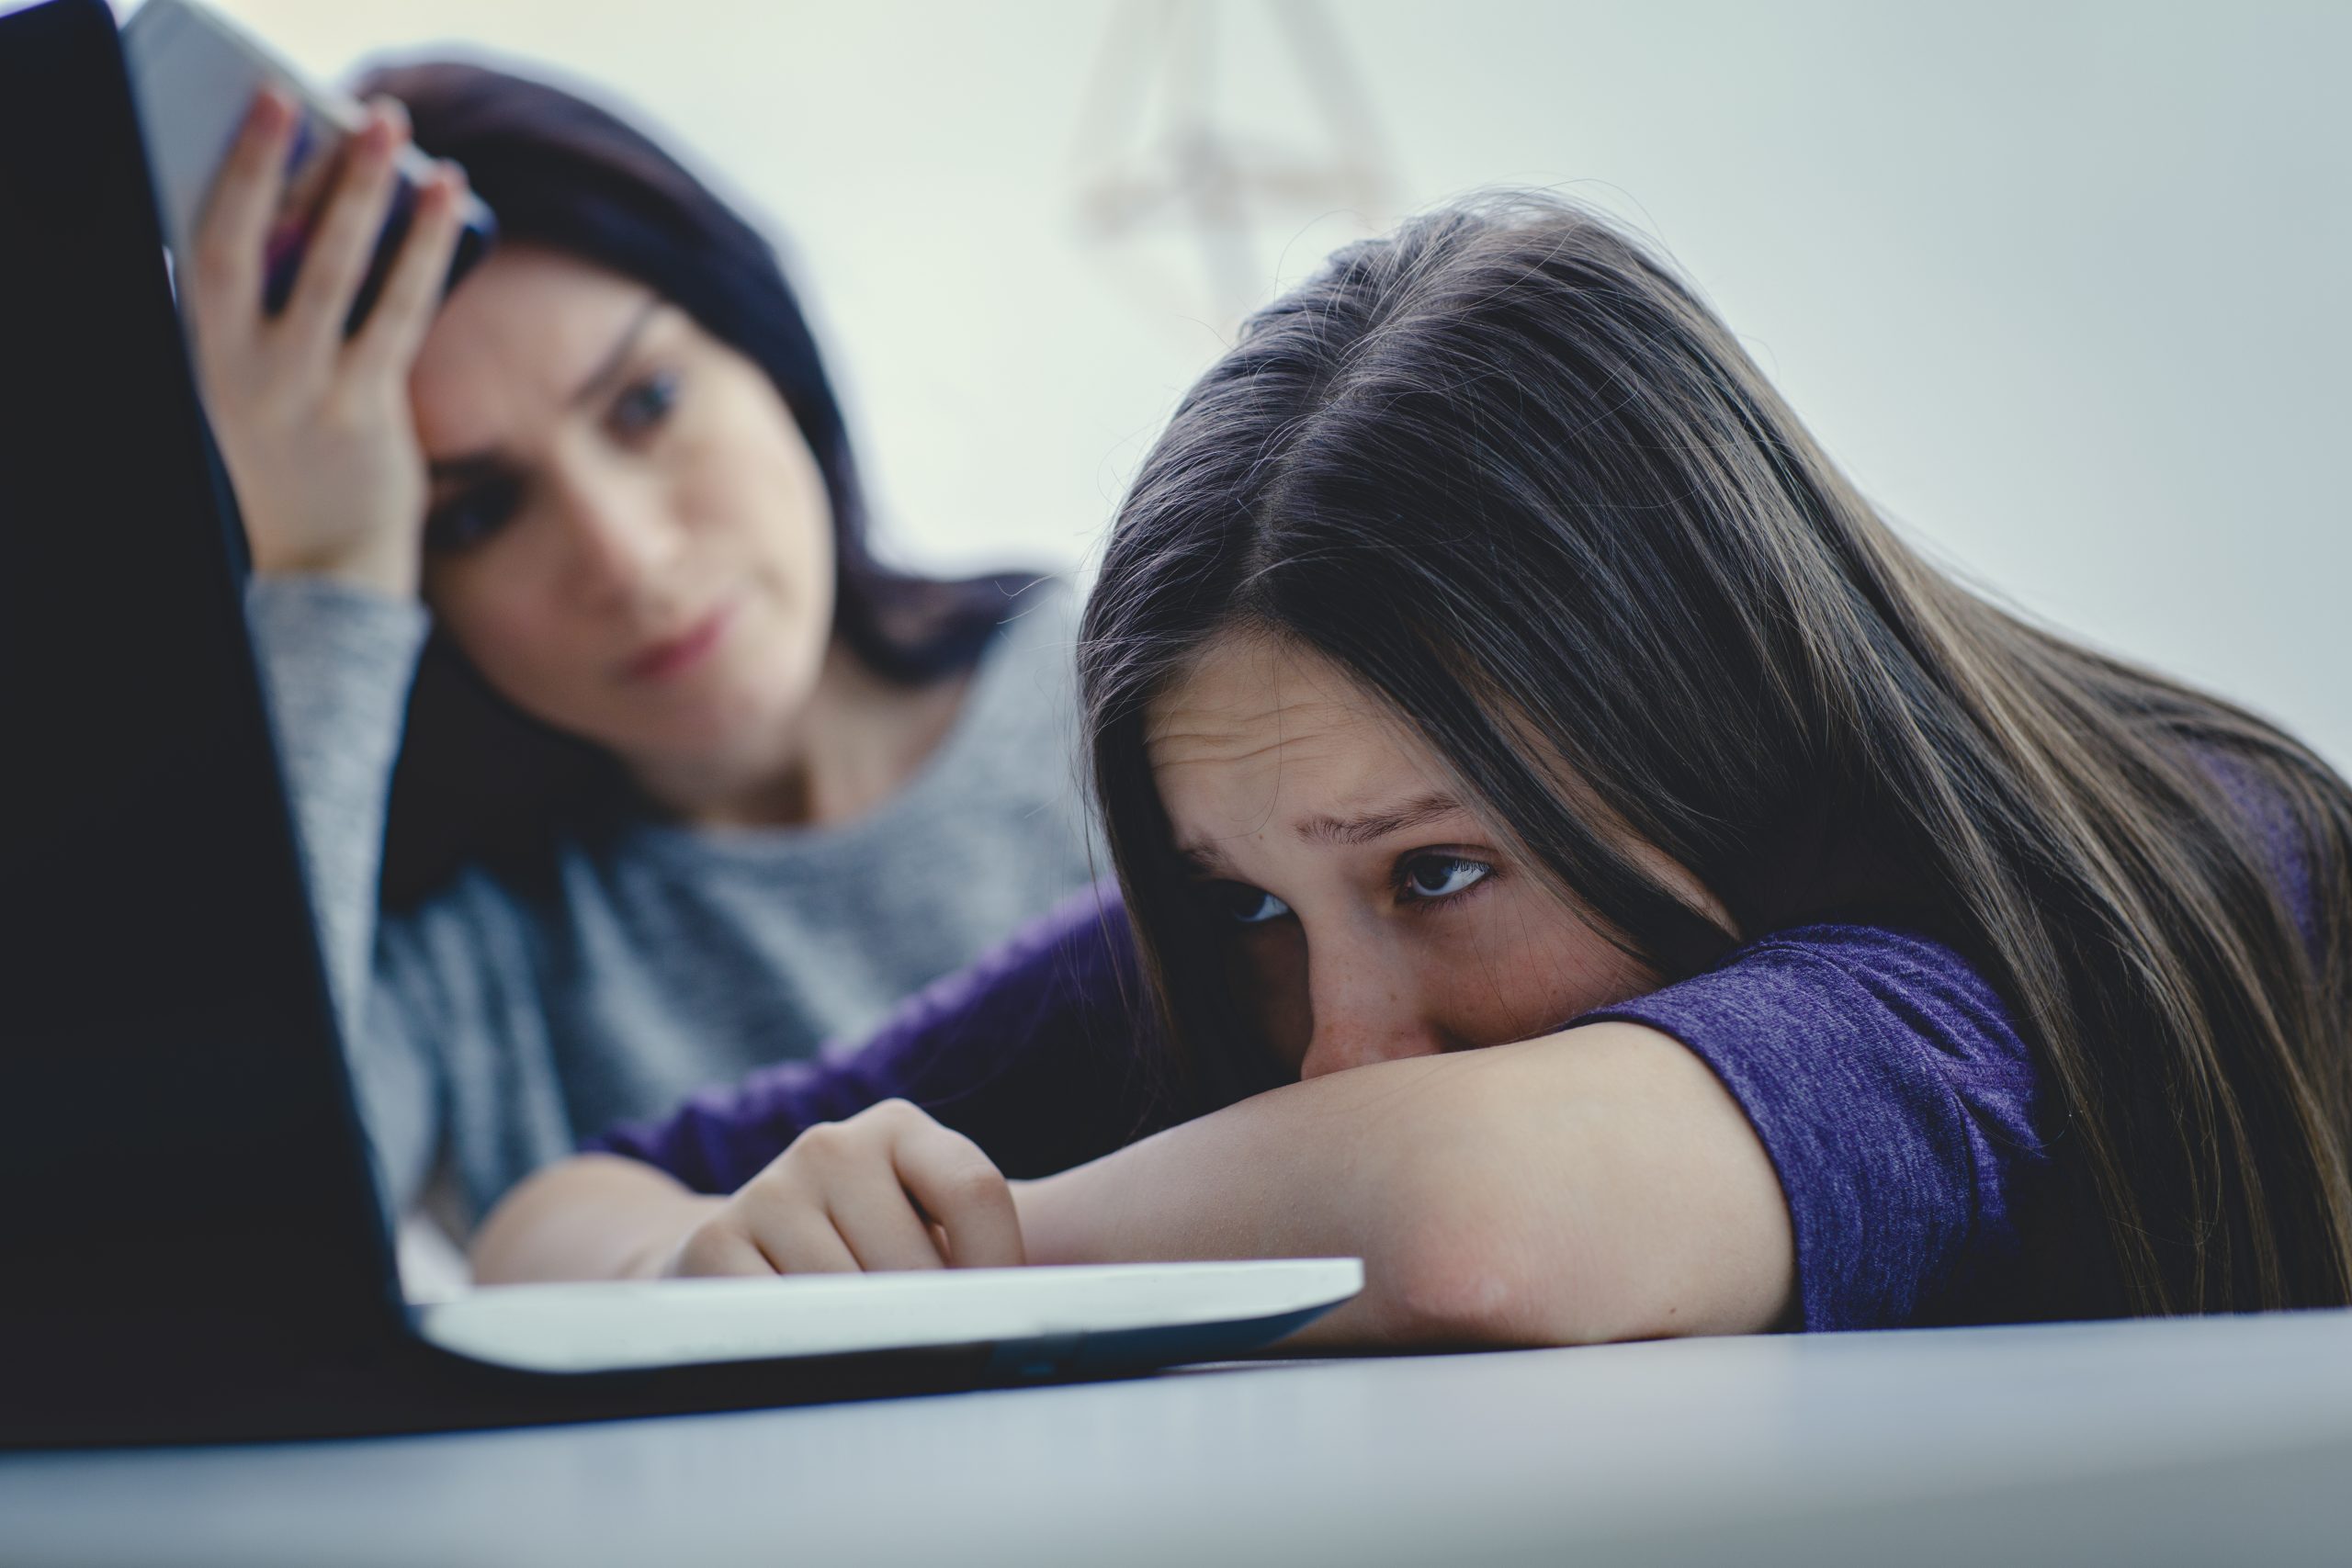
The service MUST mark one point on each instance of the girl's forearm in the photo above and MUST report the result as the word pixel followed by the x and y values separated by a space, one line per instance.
pixel 590 1217
pixel 1599 1184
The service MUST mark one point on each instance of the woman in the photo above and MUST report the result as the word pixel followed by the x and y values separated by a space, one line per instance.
pixel 1674 906
pixel 690 783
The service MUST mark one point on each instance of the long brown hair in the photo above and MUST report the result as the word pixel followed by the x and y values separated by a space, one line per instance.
pixel 1506 471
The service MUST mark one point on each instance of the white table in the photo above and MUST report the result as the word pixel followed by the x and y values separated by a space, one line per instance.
pixel 2205 1442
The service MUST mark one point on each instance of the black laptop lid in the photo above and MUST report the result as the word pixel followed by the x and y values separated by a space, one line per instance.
pixel 180 1156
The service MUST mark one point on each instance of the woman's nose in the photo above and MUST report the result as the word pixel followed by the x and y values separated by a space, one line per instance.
pixel 1369 1006
pixel 621 535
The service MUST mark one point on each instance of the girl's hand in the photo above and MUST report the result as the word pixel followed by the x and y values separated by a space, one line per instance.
pixel 315 428
pixel 890 1189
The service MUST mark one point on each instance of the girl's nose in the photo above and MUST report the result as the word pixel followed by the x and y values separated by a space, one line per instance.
pixel 1369 1006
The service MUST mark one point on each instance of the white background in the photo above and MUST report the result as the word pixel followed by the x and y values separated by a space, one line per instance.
pixel 2062 285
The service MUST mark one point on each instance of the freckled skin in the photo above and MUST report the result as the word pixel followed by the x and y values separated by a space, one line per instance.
pixel 1256 742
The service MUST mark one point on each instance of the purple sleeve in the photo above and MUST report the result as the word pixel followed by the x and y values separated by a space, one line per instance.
pixel 1032 1053
pixel 1898 1103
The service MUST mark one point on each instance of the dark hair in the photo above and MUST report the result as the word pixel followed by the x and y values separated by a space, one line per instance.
pixel 1511 474
pixel 476 776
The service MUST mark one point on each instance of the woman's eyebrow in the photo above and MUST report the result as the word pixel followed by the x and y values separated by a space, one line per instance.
pixel 617 358
pixel 476 465
pixel 1372 825
pixel 472 465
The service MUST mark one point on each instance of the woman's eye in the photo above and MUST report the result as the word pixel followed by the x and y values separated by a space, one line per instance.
pixel 1248 905
pixel 646 403
pixel 1427 878
pixel 469 517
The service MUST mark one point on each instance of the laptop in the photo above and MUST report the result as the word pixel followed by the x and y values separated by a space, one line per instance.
pixel 194 1247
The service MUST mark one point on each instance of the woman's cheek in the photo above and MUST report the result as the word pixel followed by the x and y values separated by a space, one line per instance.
pixel 530 656
pixel 1267 970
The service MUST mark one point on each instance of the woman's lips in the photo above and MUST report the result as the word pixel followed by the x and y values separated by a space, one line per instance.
pixel 674 656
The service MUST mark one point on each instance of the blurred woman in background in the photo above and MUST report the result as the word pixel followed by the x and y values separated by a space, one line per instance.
pixel 689 782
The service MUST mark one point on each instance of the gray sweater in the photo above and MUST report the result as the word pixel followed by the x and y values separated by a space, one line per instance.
pixel 495 1026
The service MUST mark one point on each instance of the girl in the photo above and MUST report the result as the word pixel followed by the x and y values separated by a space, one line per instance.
pixel 689 780
pixel 1581 861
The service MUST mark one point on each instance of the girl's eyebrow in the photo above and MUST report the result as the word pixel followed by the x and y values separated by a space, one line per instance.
pixel 1203 862
pixel 1368 828
pixel 474 464
pixel 1372 825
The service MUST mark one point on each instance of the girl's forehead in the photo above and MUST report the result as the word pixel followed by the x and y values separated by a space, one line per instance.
pixel 1251 707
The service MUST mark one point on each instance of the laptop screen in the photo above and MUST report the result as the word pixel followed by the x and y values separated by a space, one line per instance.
pixel 180 1138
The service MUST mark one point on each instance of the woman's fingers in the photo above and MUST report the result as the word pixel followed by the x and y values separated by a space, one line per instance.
pixel 322 450
pixel 882 1229
pixel 714 1247
pixel 404 308
pixel 226 284
pixel 843 1173
pixel 888 1190
pixel 796 1235
pixel 960 1191
pixel 343 242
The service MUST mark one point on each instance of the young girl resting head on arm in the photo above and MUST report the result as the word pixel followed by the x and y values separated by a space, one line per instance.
pixel 1577 858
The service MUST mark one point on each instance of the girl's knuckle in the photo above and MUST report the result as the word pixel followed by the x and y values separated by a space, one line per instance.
pixel 704 1248
pixel 774 1189
pixel 823 1145
pixel 973 1181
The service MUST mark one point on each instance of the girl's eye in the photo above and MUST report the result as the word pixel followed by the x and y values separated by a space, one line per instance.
pixel 471 516
pixel 1248 905
pixel 1426 878
pixel 646 403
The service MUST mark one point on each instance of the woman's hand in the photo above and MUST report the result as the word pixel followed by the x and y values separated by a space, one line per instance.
pixel 314 427
pixel 890 1189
